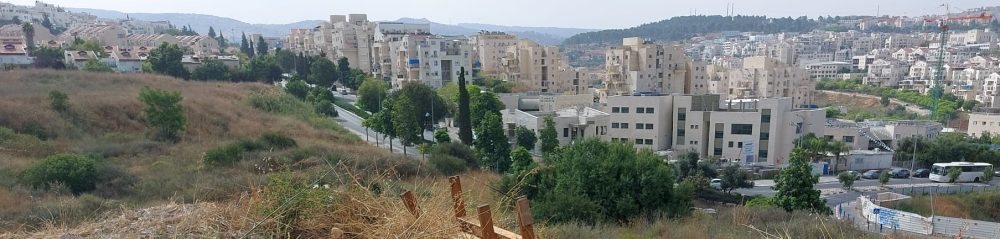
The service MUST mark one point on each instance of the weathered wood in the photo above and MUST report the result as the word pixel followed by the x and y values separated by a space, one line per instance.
pixel 456 196
pixel 486 221
pixel 410 202
pixel 524 218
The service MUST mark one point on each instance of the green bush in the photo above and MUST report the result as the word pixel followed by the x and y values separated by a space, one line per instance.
pixel 447 164
pixel 988 174
pixel 276 102
pixel 77 172
pixel 457 150
pixel 953 174
pixel 297 88
pixel 846 179
pixel 760 202
pixel 58 101
pixel 325 107
pixel 225 155
pixel 277 141
pixel 164 112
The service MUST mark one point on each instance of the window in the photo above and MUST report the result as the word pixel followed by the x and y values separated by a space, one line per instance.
pixel 743 129
pixel 717 151
pixel 730 144
pixel 765 136
pixel 848 139
pixel 681 116
pixel 565 132
pixel 640 126
pixel 649 141
pixel 649 126
pixel 640 110
pixel 762 153
pixel 624 125
pixel 615 125
pixel 615 110
pixel 739 145
pixel 625 110
pixel 680 133
pixel 649 110
pixel 638 141
pixel 765 116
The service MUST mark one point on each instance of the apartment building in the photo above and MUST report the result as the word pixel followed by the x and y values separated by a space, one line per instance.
pixel 490 47
pixel 78 58
pixel 351 37
pixel 387 47
pixel 644 67
pixel 103 33
pixel 984 122
pixel 762 134
pixel 149 40
pixel 827 70
pixel 199 45
pixel 884 72
pixel 13 51
pixel 571 123
pixel 763 77
pixel 989 96
pixel 539 69
pixel 58 16
pixel 429 59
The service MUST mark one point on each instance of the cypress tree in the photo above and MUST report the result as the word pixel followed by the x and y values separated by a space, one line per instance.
pixel 211 32
pixel 464 119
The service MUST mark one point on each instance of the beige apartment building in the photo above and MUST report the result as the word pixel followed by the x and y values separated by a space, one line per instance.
pixel 386 49
pixel 349 36
pixel 429 59
pixel 640 66
pixel 105 34
pixel 982 122
pixel 490 47
pixel 762 134
pixel 763 77
pixel 539 68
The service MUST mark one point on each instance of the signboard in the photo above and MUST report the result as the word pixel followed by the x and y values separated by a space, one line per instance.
pixel 747 153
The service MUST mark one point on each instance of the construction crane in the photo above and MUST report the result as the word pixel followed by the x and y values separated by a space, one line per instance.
pixel 937 91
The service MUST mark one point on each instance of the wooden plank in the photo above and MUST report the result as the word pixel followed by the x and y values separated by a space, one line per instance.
pixel 473 227
pixel 456 196
pixel 524 218
pixel 486 220
pixel 410 202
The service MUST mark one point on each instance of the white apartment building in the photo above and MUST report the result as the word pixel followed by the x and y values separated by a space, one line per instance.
pixel 490 47
pixel 351 37
pixel 539 69
pixel 571 123
pixel 761 135
pixel 886 73
pixel 763 77
pixel 989 96
pixel 387 46
pixel 432 60
pixel 826 70
pixel 982 122
pixel 545 102
pixel 643 67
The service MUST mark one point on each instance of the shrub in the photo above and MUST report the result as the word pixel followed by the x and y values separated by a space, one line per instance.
pixel 953 174
pixel 289 201
pixel 447 164
pixel 846 179
pixel 325 107
pixel 884 177
pixel 225 155
pixel 277 141
pixel 441 135
pixel 114 181
pixel 164 112
pixel 457 150
pixel 760 202
pixel 297 88
pixel 58 101
pixel 988 174
pixel 77 172
pixel 276 102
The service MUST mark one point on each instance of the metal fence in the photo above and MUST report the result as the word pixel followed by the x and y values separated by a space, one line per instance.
pixel 877 218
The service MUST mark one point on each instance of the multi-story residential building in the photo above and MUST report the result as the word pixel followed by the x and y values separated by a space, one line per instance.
pixel 538 68
pixel 640 66
pixel 149 40
pixel 571 124
pixel 762 77
pixel 78 58
pixel 490 47
pixel 103 33
pixel 58 16
pixel 432 60
pixel 351 37
pixel 984 122
pixel 762 134
pixel 975 36
pixel 15 31
pixel 989 96
pixel 199 45
pixel 827 70
pixel 886 73
pixel 386 49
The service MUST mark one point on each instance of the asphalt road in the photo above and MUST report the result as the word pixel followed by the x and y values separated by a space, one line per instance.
pixel 354 124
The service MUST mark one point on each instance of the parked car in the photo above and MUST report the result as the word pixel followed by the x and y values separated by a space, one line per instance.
pixel 854 174
pixel 871 174
pixel 715 183
pixel 899 173
pixel 922 173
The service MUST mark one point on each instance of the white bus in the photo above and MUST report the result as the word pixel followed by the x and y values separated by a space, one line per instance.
pixel 971 172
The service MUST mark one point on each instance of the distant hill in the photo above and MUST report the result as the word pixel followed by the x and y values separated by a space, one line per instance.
pixel 200 22
pixel 678 28
pixel 542 35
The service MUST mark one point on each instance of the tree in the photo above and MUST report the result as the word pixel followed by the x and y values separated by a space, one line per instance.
pixel 428 102
pixel 441 135
pixel 58 101
pixel 286 60
pixel 343 69
pixel 263 68
pixel 164 112
pixel 733 177
pixel 492 145
pixel 297 88
pixel 46 57
pixel 883 178
pixel 521 161
pixel 166 59
pixel 405 122
pixel 953 174
pixel 988 174
pixel 838 148
pixel 211 70
pixel 846 179
pixel 484 103
pixel 15 20
pixel 89 45
pixel 323 73
pixel 795 186
pixel 371 93
pixel 549 136
pixel 525 137
pixel 245 46
pixel 29 35
pixel 262 47
pixel 46 22
pixel 464 114
pixel 884 100
pixel 594 181
pixel 211 32
pixel 95 65
pixel 77 172
pixel 325 107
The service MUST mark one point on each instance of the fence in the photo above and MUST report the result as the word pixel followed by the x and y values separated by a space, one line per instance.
pixel 483 227
pixel 890 219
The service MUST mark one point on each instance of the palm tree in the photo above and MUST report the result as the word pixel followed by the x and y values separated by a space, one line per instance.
pixel 838 147
pixel 29 34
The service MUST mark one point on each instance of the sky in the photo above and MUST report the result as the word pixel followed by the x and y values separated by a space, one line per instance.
pixel 596 14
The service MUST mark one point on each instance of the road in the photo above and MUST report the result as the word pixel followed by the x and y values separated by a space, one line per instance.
pixel 909 107
pixel 834 193
pixel 353 123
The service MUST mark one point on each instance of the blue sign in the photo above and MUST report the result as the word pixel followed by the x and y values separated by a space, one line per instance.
pixel 414 61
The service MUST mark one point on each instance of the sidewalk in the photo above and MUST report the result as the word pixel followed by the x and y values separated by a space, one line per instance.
pixel 769 182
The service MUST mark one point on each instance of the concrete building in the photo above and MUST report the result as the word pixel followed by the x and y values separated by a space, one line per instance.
pixel 761 135
pixel 984 122
pixel 886 73
pixel 490 47
pixel 643 67
pixel 989 96
pixel 387 47
pixel 105 34
pixel 432 60
pixel 763 77
pixel 849 132
pixel 78 58
pixel 827 70
pixel 351 37
pixel 199 45
pixel 539 68
pixel 545 102
pixel 572 123
pixel 149 40
pixel 13 52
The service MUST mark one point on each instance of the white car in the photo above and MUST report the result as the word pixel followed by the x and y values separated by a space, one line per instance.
pixel 715 183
